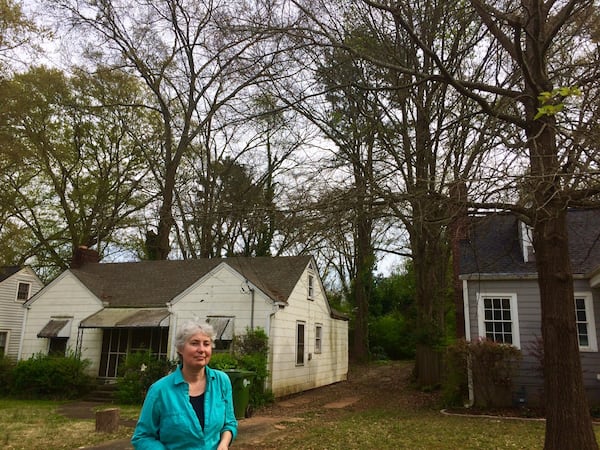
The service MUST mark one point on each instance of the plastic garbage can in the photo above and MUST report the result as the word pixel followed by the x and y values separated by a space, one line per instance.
pixel 241 380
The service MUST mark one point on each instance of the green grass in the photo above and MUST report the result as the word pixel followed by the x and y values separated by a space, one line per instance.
pixel 426 430
pixel 36 425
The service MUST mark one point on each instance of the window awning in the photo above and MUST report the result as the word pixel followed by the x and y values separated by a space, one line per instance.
pixel 56 328
pixel 127 318
pixel 223 327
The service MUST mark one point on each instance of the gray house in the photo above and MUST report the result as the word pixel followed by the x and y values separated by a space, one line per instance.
pixel 501 296
pixel 105 311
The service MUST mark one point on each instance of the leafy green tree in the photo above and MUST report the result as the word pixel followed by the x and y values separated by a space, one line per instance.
pixel 76 176
pixel 196 59
pixel 16 31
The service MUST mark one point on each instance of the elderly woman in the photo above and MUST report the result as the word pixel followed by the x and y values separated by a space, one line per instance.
pixel 192 407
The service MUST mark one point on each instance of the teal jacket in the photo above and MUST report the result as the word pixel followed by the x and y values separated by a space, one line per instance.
pixel 168 421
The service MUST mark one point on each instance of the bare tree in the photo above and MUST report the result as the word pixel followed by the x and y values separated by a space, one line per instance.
pixel 541 51
pixel 423 132
pixel 194 57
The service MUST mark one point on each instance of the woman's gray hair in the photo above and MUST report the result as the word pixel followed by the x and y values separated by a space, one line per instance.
pixel 190 328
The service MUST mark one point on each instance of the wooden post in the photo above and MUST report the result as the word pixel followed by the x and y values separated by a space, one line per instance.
pixel 107 420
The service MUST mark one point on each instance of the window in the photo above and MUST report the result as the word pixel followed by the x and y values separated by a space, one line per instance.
pixel 498 318
pixel 586 327
pixel 58 346
pixel 300 343
pixel 318 337
pixel 3 342
pixel 223 327
pixel 22 292
pixel 311 286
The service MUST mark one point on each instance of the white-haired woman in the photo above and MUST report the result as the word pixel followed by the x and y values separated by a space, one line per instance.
pixel 192 407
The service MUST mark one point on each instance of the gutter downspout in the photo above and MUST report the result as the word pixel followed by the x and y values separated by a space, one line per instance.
pixel 252 308
pixel 24 321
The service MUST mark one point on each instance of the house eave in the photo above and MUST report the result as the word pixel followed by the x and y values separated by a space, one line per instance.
pixel 594 277
pixel 498 276
pixel 515 276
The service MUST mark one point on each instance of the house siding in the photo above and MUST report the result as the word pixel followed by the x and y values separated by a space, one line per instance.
pixel 65 297
pixel 12 311
pixel 329 366
pixel 530 376
pixel 205 299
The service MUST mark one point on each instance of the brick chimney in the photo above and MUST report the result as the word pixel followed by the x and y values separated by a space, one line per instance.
pixel 84 255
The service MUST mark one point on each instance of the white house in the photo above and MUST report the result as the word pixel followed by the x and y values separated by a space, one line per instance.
pixel 104 311
pixel 17 285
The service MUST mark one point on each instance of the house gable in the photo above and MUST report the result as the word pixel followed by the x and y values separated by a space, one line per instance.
pixel 17 285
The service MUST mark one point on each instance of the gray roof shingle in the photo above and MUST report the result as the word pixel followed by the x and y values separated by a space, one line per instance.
pixel 8 271
pixel 154 283
pixel 492 245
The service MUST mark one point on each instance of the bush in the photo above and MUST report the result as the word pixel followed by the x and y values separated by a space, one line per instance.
pixel 223 361
pixel 7 367
pixel 455 382
pixel 139 371
pixel 51 377
pixel 251 351
pixel 389 337
pixel 492 365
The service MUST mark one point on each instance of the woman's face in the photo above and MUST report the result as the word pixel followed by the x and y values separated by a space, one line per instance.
pixel 196 351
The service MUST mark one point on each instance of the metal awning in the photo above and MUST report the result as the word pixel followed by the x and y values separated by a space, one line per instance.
pixel 127 318
pixel 56 328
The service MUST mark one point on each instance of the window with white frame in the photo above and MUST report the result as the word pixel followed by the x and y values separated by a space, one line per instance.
pixel 22 291
pixel 311 286
pixel 498 318
pixel 3 342
pixel 586 326
pixel 300 328
pixel 318 337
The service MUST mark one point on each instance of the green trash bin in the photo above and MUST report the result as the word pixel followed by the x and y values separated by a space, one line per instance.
pixel 241 380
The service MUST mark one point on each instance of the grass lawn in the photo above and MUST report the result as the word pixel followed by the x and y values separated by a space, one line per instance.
pixel 415 431
pixel 392 423
pixel 36 425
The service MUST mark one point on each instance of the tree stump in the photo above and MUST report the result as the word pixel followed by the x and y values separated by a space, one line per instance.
pixel 107 420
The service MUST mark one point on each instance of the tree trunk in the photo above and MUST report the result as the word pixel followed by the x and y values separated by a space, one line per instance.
pixel 362 288
pixel 107 420
pixel 430 259
pixel 568 419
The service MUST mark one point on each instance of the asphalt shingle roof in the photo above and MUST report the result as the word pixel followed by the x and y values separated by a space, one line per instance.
pixel 154 283
pixel 8 271
pixel 493 245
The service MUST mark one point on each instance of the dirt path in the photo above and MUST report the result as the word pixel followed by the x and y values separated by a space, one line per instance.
pixel 366 386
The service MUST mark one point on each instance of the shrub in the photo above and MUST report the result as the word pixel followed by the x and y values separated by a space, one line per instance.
pixel 492 366
pixel 7 367
pixel 223 361
pixel 389 337
pixel 455 383
pixel 52 377
pixel 139 371
pixel 251 352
